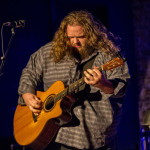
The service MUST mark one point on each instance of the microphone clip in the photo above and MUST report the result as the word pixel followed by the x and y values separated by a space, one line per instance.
pixel 15 24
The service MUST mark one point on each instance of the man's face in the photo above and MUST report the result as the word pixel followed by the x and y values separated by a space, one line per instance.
pixel 76 36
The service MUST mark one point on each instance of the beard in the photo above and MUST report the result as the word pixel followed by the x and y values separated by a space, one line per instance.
pixel 82 53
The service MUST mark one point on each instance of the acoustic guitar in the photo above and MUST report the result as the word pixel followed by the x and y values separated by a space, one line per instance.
pixel 38 131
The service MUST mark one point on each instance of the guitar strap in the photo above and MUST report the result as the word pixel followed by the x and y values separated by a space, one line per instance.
pixel 83 67
pixel 87 65
pixel 80 92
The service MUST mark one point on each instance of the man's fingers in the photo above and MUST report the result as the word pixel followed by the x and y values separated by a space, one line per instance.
pixel 34 110
pixel 88 76
pixel 37 99
pixel 92 74
pixel 36 105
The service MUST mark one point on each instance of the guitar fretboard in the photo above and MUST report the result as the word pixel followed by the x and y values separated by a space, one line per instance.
pixel 69 89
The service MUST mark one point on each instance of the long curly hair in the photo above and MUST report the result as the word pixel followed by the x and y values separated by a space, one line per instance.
pixel 96 33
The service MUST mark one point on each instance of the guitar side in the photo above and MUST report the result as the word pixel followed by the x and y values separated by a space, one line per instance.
pixel 38 134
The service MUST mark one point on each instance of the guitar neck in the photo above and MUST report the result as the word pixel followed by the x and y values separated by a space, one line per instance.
pixel 78 84
pixel 70 89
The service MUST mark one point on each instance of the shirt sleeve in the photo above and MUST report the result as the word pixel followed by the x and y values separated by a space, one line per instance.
pixel 119 77
pixel 31 76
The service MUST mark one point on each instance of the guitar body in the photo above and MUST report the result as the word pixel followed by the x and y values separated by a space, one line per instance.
pixel 38 131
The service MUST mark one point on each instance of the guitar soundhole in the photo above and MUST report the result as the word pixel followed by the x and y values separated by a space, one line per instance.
pixel 49 103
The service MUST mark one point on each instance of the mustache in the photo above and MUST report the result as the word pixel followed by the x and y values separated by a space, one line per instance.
pixel 77 44
pixel 80 54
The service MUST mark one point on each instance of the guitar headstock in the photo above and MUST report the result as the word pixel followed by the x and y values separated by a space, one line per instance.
pixel 112 64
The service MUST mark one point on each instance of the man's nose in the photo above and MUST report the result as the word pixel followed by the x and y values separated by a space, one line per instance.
pixel 75 40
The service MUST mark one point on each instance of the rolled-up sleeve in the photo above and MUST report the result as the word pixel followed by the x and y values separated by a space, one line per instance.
pixel 31 76
pixel 119 77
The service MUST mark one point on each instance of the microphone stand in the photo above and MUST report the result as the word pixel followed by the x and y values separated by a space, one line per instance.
pixel 3 58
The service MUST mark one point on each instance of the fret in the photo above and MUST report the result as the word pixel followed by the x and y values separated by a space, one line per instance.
pixel 76 85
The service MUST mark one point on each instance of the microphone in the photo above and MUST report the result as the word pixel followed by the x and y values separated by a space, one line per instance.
pixel 15 24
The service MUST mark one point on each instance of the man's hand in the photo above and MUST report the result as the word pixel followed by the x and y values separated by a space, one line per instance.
pixel 95 78
pixel 33 102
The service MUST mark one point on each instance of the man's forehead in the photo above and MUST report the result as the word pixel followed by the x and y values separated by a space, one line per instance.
pixel 75 30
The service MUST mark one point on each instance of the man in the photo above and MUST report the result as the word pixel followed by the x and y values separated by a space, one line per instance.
pixel 79 43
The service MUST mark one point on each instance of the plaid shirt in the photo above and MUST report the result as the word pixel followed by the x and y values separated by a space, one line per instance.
pixel 97 112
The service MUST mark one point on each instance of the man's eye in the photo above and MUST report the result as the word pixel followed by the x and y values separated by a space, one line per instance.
pixel 82 37
pixel 70 37
pixel 78 37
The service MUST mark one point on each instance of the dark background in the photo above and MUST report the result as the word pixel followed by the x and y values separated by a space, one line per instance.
pixel 42 20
